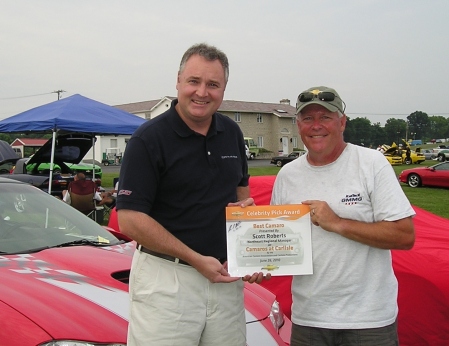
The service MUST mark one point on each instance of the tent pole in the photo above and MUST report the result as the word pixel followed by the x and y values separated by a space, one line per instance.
pixel 93 173
pixel 52 157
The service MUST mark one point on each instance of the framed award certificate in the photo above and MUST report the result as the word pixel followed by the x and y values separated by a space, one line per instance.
pixel 272 239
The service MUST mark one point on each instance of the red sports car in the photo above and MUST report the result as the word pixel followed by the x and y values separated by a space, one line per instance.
pixel 437 175
pixel 64 278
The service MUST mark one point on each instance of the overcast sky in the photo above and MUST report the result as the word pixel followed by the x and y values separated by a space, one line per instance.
pixel 386 58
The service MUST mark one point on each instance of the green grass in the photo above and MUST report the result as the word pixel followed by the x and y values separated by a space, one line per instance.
pixel 107 180
pixel 434 200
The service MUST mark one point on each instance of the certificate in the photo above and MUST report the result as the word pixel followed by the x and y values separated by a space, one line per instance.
pixel 273 239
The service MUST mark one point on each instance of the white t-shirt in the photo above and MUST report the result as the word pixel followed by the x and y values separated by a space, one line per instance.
pixel 115 189
pixel 353 285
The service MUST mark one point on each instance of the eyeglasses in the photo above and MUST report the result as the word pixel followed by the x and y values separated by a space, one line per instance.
pixel 325 96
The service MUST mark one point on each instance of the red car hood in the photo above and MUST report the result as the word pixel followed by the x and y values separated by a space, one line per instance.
pixel 66 292
pixel 81 293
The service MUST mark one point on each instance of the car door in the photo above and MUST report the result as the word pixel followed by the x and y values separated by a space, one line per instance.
pixel 438 177
pixel 441 177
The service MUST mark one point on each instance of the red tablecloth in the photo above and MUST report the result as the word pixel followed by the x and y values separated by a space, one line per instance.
pixel 422 273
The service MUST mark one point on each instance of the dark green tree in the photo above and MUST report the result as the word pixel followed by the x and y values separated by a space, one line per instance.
pixel 378 136
pixel 418 124
pixel 438 127
pixel 348 134
pixel 395 130
pixel 362 131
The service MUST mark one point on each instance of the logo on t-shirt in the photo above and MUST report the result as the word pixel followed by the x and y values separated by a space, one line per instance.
pixel 352 199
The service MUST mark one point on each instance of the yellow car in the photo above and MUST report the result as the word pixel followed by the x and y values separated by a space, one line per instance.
pixel 398 157
pixel 414 157
pixel 391 154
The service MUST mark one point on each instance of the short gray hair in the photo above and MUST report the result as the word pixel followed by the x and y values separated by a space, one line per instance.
pixel 208 52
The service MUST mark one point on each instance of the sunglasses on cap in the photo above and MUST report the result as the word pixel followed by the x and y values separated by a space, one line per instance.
pixel 326 96
pixel 308 96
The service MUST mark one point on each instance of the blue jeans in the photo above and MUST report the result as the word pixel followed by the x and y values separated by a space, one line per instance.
pixel 308 336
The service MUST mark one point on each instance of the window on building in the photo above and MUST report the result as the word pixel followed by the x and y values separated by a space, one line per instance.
pixel 260 141
pixel 113 142
pixel 295 142
pixel 237 117
pixel 259 118
pixel 294 120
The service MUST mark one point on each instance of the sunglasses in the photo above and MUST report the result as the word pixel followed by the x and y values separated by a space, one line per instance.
pixel 326 96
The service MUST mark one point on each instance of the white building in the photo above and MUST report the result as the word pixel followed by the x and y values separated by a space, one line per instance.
pixel 271 125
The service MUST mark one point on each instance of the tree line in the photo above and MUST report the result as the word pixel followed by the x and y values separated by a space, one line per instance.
pixel 418 125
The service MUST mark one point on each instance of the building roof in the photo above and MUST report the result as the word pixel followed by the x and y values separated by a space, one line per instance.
pixel 29 142
pixel 282 109
pixel 279 109
pixel 141 107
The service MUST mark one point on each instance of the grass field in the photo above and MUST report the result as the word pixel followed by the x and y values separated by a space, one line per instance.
pixel 435 200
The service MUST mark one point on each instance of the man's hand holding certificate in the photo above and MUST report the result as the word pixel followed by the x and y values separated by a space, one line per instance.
pixel 270 239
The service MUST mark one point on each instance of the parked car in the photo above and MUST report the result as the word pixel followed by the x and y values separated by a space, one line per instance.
pixel 401 151
pixel 415 157
pixel 436 175
pixel 428 154
pixel 282 160
pixel 65 278
pixel 443 155
pixel 86 168
pixel 391 154
pixel 248 153
pixel 438 149
pixel 70 149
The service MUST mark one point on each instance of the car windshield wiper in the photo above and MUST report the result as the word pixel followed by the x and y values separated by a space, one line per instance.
pixel 84 241
pixel 77 242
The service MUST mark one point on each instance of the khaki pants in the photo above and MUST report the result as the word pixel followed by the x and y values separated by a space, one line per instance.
pixel 173 304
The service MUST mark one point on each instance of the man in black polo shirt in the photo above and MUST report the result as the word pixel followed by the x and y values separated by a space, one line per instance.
pixel 179 172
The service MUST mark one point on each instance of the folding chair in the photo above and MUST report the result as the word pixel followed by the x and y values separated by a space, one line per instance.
pixel 107 209
pixel 82 195
pixel 109 206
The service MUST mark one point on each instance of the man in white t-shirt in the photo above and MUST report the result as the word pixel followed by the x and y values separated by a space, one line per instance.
pixel 358 212
pixel 108 197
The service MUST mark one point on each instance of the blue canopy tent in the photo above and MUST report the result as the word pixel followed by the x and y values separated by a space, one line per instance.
pixel 74 114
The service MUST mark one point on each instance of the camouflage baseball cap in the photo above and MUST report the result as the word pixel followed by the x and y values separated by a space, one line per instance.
pixel 321 95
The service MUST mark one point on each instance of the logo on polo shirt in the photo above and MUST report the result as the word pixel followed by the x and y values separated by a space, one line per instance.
pixel 125 192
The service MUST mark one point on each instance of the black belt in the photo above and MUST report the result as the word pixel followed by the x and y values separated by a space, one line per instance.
pixel 168 257
pixel 161 255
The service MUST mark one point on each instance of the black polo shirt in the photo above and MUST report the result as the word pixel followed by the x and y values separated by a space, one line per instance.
pixel 184 180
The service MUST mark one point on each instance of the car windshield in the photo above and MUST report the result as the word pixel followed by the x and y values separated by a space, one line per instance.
pixel 442 167
pixel 31 220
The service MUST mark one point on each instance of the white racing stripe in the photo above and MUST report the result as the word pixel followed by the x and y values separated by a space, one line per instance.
pixel 111 299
